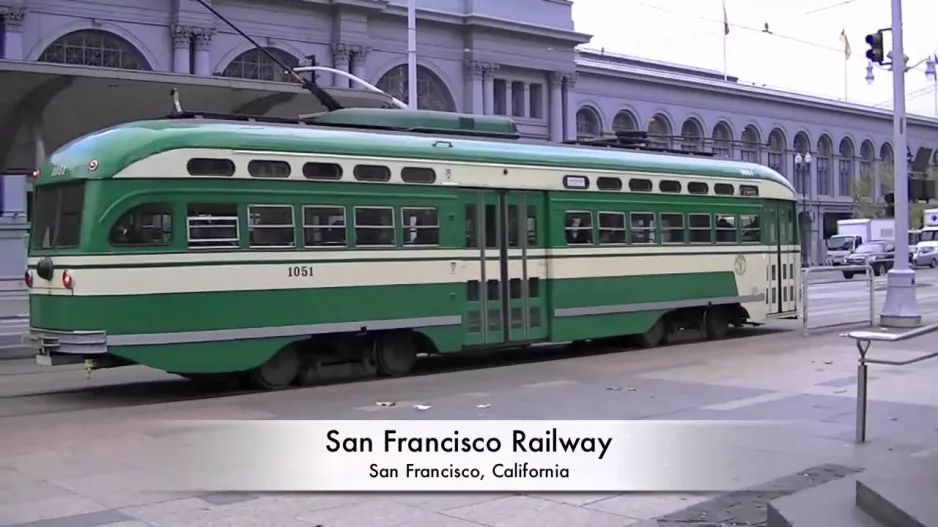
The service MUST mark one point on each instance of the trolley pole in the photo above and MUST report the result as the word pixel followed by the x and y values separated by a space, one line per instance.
pixel 412 54
pixel 900 308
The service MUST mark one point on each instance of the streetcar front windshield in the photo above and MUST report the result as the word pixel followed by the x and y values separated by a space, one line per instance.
pixel 57 216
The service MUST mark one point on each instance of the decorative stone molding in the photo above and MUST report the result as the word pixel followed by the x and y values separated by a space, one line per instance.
pixel 556 78
pixel 202 36
pixel 475 69
pixel 341 53
pixel 182 35
pixel 359 53
pixel 13 17
pixel 490 67
pixel 570 80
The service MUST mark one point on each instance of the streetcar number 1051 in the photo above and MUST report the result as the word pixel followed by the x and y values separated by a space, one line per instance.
pixel 297 271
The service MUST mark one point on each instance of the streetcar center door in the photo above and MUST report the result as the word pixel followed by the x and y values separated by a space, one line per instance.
pixel 505 293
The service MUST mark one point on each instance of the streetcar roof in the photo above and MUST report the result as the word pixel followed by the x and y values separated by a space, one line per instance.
pixel 104 153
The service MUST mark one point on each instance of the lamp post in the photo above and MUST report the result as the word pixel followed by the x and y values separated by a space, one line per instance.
pixel 900 308
pixel 931 63
pixel 803 173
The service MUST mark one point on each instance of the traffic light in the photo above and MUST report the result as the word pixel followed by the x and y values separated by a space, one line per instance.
pixel 890 200
pixel 875 53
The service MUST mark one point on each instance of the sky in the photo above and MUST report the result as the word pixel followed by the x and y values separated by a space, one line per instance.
pixel 803 53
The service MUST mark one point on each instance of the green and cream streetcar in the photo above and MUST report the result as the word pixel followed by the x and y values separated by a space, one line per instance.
pixel 287 251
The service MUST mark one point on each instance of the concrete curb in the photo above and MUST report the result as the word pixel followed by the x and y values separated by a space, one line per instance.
pixel 16 353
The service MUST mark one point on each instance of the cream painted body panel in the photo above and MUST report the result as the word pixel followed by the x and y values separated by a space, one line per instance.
pixel 172 164
pixel 184 274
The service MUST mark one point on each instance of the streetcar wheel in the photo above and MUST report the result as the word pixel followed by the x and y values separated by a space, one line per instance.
pixel 278 372
pixel 395 354
pixel 716 325
pixel 653 336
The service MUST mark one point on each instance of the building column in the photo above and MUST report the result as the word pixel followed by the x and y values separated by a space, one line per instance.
pixel 475 99
pixel 203 50
pixel 13 32
pixel 569 83
pixel 341 55
pixel 359 57
pixel 181 43
pixel 526 111
pixel 555 119
pixel 488 82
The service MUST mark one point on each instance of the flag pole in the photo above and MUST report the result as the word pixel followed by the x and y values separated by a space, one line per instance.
pixel 412 54
pixel 846 77
pixel 726 31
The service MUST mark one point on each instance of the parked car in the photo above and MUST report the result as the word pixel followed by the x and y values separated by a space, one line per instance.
pixel 924 256
pixel 879 254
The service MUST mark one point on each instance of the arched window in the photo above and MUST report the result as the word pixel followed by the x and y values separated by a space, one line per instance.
pixel 886 157
pixel 751 148
pixel 93 47
pixel 254 64
pixel 624 121
pixel 802 147
pixel 845 167
pixel 432 93
pixel 587 123
pixel 692 135
pixel 825 151
pixel 723 140
pixel 660 131
pixel 777 146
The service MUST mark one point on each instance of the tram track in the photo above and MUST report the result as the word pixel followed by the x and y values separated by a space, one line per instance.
pixel 39 395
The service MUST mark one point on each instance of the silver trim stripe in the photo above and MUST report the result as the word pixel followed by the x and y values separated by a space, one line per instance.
pixel 192 337
pixel 654 306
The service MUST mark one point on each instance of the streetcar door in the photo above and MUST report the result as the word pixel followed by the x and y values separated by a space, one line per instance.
pixel 773 296
pixel 504 291
pixel 790 256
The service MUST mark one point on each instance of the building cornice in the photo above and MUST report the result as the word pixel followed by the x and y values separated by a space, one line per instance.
pixel 593 67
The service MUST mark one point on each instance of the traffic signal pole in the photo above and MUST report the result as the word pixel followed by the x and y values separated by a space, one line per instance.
pixel 901 308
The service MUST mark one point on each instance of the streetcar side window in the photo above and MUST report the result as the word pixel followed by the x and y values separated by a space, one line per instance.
pixel 700 228
pixel 642 227
pixel 749 226
pixel 726 228
pixel 611 228
pixel 377 173
pixel 374 226
pixel 150 224
pixel 421 226
pixel 724 189
pixel 269 169
pixel 672 228
pixel 578 227
pixel 324 227
pixel 212 226
pixel 271 226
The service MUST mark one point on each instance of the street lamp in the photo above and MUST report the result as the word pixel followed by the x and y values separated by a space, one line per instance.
pixel 900 308
pixel 803 173
pixel 931 63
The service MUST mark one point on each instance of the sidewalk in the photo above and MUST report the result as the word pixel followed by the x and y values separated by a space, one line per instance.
pixel 83 467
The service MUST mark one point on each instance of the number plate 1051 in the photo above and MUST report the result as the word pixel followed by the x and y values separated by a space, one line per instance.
pixel 299 271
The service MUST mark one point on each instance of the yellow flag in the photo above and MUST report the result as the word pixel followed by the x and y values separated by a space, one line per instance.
pixel 843 38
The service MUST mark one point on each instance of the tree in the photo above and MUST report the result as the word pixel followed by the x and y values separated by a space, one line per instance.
pixel 864 190
pixel 879 173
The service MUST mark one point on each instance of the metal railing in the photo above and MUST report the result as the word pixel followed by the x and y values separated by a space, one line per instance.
pixel 863 341
pixel 805 287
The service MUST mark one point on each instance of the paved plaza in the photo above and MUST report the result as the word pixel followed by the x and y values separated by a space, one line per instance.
pixel 67 441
